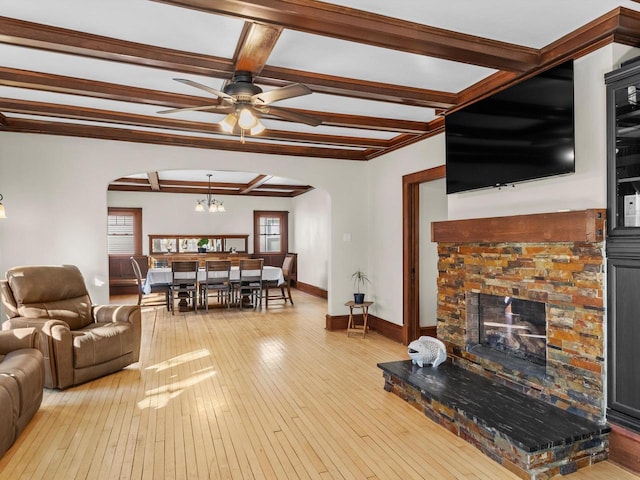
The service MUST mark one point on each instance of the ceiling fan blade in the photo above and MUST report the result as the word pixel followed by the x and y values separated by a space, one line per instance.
pixel 212 90
pixel 213 108
pixel 290 115
pixel 282 93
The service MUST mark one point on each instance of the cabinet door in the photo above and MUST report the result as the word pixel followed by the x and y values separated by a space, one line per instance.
pixel 623 150
pixel 624 341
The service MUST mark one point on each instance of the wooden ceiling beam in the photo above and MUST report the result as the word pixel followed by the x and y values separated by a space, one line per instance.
pixel 66 111
pixel 189 185
pixel 368 123
pixel 127 135
pixel 274 186
pixel 255 193
pixel 47 82
pixel 154 181
pixel 257 185
pixel 62 40
pixel 141 181
pixel 435 127
pixel 256 44
pixel 353 25
pixel 595 34
pixel 257 182
pixel 628 29
pixel 130 119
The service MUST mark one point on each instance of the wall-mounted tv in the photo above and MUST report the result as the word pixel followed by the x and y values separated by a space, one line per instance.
pixel 522 133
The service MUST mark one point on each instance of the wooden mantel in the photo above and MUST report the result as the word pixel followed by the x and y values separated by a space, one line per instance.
pixel 571 226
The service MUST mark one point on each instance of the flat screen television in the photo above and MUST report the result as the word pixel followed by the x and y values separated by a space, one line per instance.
pixel 522 133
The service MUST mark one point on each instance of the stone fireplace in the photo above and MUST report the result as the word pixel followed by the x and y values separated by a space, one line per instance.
pixel 521 311
pixel 556 262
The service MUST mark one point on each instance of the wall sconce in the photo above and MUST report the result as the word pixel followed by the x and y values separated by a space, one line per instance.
pixel 2 213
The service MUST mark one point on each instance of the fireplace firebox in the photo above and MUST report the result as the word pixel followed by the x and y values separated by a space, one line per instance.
pixel 513 326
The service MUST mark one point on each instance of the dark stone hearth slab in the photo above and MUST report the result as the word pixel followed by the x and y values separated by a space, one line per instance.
pixel 529 424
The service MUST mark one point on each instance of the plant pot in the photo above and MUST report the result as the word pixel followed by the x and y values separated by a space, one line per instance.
pixel 202 250
pixel 358 298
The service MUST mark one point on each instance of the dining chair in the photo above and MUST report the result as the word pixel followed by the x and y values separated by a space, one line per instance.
pixel 217 281
pixel 184 283
pixel 287 270
pixel 250 281
pixel 155 288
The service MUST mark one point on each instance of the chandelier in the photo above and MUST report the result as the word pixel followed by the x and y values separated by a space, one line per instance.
pixel 210 203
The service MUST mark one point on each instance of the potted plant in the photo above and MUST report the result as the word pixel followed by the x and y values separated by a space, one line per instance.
pixel 202 245
pixel 359 280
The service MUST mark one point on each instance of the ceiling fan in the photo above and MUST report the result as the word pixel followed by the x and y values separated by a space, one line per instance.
pixel 244 102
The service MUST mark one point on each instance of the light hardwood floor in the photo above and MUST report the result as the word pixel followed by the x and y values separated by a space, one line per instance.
pixel 248 395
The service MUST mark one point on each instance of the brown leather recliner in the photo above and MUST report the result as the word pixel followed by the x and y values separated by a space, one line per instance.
pixel 21 382
pixel 79 341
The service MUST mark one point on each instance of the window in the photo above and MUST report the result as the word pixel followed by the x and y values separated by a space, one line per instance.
pixel 124 227
pixel 270 231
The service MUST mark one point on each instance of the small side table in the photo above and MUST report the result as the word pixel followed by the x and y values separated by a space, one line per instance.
pixel 351 326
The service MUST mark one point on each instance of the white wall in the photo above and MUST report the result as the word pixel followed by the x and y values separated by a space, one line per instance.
pixel 311 237
pixel 385 222
pixel 55 192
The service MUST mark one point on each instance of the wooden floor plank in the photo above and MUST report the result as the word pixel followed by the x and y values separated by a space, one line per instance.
pixel 248 394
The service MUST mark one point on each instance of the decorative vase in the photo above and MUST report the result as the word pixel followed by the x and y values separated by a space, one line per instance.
pixel 358 298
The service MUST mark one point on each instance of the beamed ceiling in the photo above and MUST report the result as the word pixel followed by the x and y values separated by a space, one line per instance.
pixel 382 74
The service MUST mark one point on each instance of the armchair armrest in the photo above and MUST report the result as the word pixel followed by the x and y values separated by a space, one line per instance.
pixel 122 313
pixel 11 340
pixel 40 324
pixel 116 313
pixel 53 340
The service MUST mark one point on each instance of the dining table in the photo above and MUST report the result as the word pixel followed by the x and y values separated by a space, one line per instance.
pixel 162 276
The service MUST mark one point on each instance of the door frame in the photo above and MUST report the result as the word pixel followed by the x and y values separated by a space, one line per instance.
pixel 411 249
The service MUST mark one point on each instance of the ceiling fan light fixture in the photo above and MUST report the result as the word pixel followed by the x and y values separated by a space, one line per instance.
pixel 246 119
pixel 199 207
pixel 244 103
pixel 228 123
pixel 258 128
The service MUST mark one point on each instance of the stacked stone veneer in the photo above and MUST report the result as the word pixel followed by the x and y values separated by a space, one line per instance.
pixel 569 277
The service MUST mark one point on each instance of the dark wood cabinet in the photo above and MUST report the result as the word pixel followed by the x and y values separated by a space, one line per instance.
pixel 624 336
pixel 623 245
